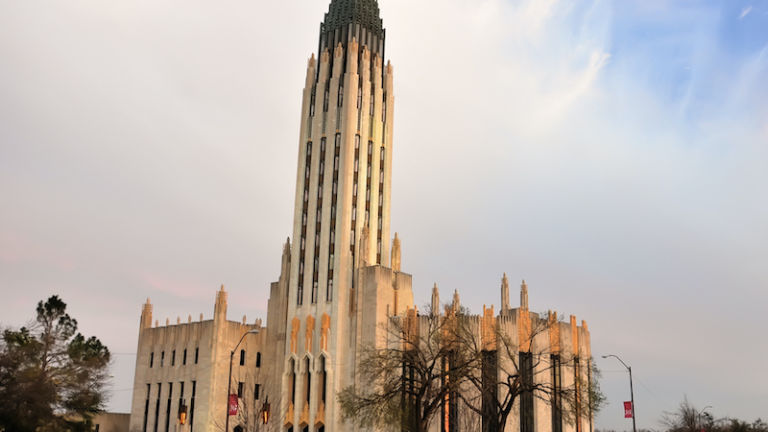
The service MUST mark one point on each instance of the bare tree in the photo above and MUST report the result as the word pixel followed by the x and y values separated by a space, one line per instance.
pixel 406 381
pixel 505 373
pixel 437 366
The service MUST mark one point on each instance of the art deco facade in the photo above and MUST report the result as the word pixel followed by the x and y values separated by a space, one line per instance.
pixel 340 280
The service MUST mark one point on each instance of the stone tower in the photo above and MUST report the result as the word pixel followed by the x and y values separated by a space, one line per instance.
pixel 340 284
pixel 345 153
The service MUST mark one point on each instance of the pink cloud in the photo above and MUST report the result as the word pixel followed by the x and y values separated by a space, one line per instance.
pixel 15 250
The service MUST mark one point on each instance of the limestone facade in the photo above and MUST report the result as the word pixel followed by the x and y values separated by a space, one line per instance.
pixel 340 281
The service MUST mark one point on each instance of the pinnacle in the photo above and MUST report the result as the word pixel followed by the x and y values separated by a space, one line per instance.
pixel 344 12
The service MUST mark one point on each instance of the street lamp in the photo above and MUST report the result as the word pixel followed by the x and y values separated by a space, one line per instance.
pixel 631 390
pixel 229 380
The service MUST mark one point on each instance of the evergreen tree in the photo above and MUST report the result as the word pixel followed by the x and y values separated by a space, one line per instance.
pixel 52 378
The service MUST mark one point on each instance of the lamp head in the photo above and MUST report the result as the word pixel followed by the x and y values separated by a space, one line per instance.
pixel 254 331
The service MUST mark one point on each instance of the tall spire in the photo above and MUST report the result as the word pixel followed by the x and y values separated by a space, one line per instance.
pixel 524 295
pixel 220 309
pixel 435 301
pixel 456 302
pixel 146 315
pixel 396 254
pixel 504 294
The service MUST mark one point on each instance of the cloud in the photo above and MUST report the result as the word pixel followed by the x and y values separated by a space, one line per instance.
pixel 745 12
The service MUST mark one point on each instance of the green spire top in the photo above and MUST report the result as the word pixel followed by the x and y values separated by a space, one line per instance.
pixel 341 13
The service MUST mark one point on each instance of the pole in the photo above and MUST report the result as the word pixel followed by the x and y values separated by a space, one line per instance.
pixel 229 388
pixel 229 379
pixel 632 398
pixel 631 390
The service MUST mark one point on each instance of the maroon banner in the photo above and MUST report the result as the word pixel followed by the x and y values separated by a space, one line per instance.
pixel 628 410
pixel 233 404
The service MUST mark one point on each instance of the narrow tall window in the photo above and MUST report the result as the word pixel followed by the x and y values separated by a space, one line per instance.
pixel 184 358
pixel 192 405
pixel 490 391
pixel 240 390
pixel 380 213
pixel 556 401
pixel 181 397
pixel 309 380
pixel 256 391
pixel 408 400
pixel 318 220
pixel 242 357
pixel 323 380
pixel 151 359
pixel 312 102
pixel 293 381
pixel 325 98
pixel 368 184
pixel 197 354
pixel 305 205
pixel 168 408
pixel 526 396
pixel 162 358
pixel 450 407
pixel 146 409
pixel 173 358
pixel 258 359
pixel 157 407
pixel 354 200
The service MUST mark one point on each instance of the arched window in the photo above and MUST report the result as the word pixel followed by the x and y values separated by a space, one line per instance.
pixel 323 379
pixel 292 383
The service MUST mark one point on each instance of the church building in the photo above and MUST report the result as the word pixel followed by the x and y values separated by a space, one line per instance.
pixel 340 280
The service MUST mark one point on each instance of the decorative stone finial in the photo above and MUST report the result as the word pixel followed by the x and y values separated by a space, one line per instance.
pixel 435 301
pixel 396 254
pixel 505 294
pixel 178 320
pixel 456 302
pixel 245 320
pixel 146 316
pixel 524 295
pixel 220 309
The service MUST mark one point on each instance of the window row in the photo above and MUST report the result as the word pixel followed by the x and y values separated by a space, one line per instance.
pixel 305 204
pixel 185 414
pixel 242 358
pixel 241 390
pixel 173 358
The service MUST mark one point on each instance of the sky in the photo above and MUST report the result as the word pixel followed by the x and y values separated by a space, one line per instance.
pixel 611 153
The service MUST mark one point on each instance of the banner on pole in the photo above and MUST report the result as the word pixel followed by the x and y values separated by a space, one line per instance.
pixel 233 404
pixel 628 411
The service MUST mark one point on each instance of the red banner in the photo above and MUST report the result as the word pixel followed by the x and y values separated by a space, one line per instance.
pixel 233 404
pixel 628 410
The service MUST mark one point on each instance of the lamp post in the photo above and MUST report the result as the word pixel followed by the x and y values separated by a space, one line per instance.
pixel 229 380
pixel 631 390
